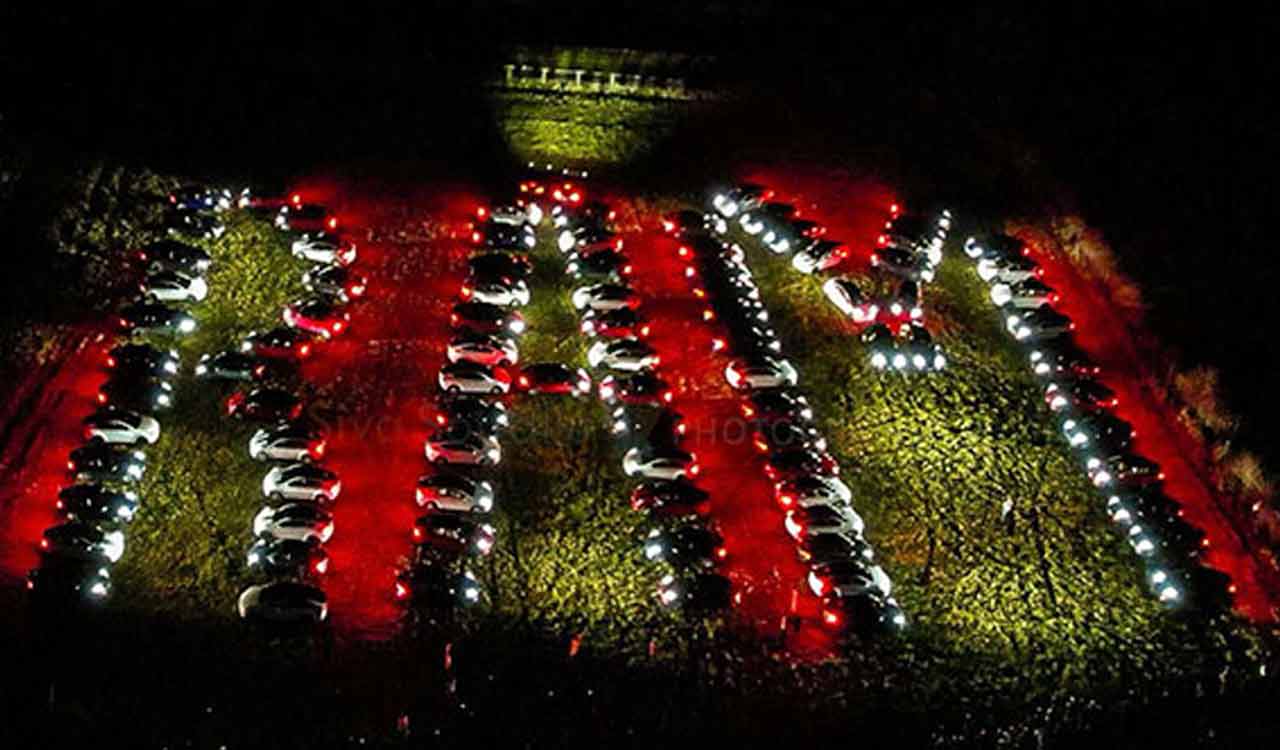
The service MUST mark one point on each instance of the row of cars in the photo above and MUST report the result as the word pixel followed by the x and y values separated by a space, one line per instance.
pixel 648 428
pixel 818 515
pixel 102 499
pixel 909 249
pixel 1130 484
pixel 287 558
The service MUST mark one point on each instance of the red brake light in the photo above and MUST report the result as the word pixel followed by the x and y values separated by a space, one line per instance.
pixel 476 237
pixel 402 591
pixel 466 292
pixel 831 618
pixel 317 448
pixel 748 411
pixel 722 552
pixel 667 396
pixel 337 326
pixel 71 466
pixel 44 544
pixel 296 198
pixel 682 251
pixel 111 361
pixel 442 420
pixel 333 222
pixel 304 350
pixel 102 398
pixel 627 269
pixel 524 382
pixel 668 225
pixel 786 500
pixel 321 566
pixel 417 533
pixel 482 212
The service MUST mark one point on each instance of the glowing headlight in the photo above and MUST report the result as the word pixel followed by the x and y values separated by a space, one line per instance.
pixel 653 550
pixel 516 326
pixel 668 596
pixel 529 240
pixel 565 241
pixel 493 455
pixel 939 362
pixel 187 325
pixel 1170 594
pixel 471 593
pixel 485 503
pixel 98 589
pixel 254 558
pixel 170 367
pixel 484 544
pixel 919 361
pixel 200 369
pixel 899 361
pixel 878 361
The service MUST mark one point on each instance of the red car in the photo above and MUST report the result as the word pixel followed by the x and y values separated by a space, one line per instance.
pixel 553 377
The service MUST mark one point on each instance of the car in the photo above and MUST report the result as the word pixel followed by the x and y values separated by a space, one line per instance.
pixel 95 462
pixel 623 322
pixel 903 263
pixel 510 267
pixel 301 482
pixel 129 392
pixel 278 343
pixel 638 388
pixel 174 286
pixel 687 223
pixel 595 213
pixel 917 350
pixel 623 355
pixel 553 377
pixel 670 498
pixel 805 491
pixel 264 405
pixel 83 541
pixel 817 549
pixel 94 503
pixel 586 239
pixel 881 347
pixel 801 522
pixel 121 427
pixel 866 613
pixel 1026 294
pixel 1009 270
pixel 436 586
pixel 1123 468
pixel 907 305
pixel 1061 356
pixel 819 255
pixel 753 340
pixel 483 349
pixel 760 372
pixel 304 522
pixel 194 224
pixel 154 317
pixel 200 198
pixel 795 462
pixel 172 255
pixel 293 558
pixel 660 463
pixel 64 578
pixel 744 197
pixel 781 238
pixel 1079 393
pixel 454 533
pixel 513 213
pixel 702 592
pixel 500 235
pixel 287 441
pixel 335 282
pixel 603 266
pixel 451 492
pixel 481 317
pixel 316 315
pixel 782 434
pixel 994 247
pixel 496 291
pixel 914 233
pixel 469 377
pixel 305 217
pixel 848 299
pixel 1098 429
pixel 1039 323
pixel 690 545
pixel 847 576
pixel 756 219
pixel 238 366
pixel 605 297
pixel 283 602
pixel 482 415
pixel 1130 505
pixel 461 446
pixel 143 360
pixel 776 404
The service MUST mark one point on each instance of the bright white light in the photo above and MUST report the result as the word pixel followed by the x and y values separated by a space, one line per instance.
pixel 653 550
pixel 899 361
pixel 919 361
pixel 878 361
pixel 1170 594
pixel 565 241
pixel 187 325
pixel 98 589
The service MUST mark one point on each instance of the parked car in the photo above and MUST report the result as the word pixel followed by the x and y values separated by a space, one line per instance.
pixel 238 366
pixel 760 372
pixel 99 462
pixel 278 343
pixel 801 522
pixel 482 415
pixel 454 533
pixel 96 504
pixel 136 393
pixel 819 255
pixel 776 404
pixel 702 592
pixel 194 224
pixel 143 360
pixel 78 540
pixel 1079 393
pixel 744 197
pixel 847 298
pixel 1039 323
pixel 284 602
pixel 623 322
pixel 305 217
pixel 623 355
pixel 174 286
pixel 670 498
pixel 643 387
pixel 121 427
pixel 304 522
pixel 451 446
pixel 604 266
pixel 287 441
pixel 481 317
pixel 335 282
pixel 469 377
pixel 301 482
pixel 154 317
pixel 437 587
pixel 68 578
pixel 664 463
pixel 1097 429
pixel 172 255
pixel 690 545
pixel 483 349
pixel 264 405
pixel 496 291
pixel 603 297
pixel 796 462
pixel 1026 294
pixel 509 266
pixel 553 377
pixel 293 558
pixel 1061 356
pixel 449 491
pixel 318 316
pixel 807 490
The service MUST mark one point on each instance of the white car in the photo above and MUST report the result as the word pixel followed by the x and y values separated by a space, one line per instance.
pixel 763 372
pixel 483 349
pixel 819 255
pixel 512 215
pixel 604 297
pixel 470 449
pixel 121 427
pixel 1027 294
pixel 652 464
pixel 1009 270
pixel 286 444
pixel 849 578
pixel 302 522
pixel 823 519
pixel 454 493
pixel 623 355
pixel 741 198
pixel 301 481
pixel 812 490
pixel 175 286
pixel 283 601
pixel 494 292
pixel 469 377
pixel 324 248
pixel 846 296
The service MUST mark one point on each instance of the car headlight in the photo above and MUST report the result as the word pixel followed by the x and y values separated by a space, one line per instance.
pixel 200 369
pixel 879 361
pixel 516 326
pixel 653 550
pixel 163 399
pixel 485 504
pixel 98 589
pixel 471 593
pixel 187 325
pixel 254 558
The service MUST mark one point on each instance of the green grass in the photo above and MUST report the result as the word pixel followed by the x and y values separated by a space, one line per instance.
pixel 201 490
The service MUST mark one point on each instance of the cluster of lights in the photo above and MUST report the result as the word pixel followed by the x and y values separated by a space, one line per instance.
pixel 1005 264
pixel 878 589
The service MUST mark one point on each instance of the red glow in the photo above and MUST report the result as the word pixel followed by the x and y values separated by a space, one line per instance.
pixel 644 331
pixel 304 350
pixel 44 544
pixel 831 618
pixel 102 398
pixel 296 199
pixel 786 500
pixel 477 238
pixel 332 223
pixel 402 591
pixel 111 361
pixel 482 212
pixel 321 566
pixel 466 292
pixel 722 552
pixel 667 396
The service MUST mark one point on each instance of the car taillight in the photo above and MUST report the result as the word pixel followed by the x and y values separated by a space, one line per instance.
pixel 442 420
pixel 477 237
pixel 682 251
pixel 321 566
pixel 453 319
pixel 748 412
pixel 102 398
pixel 524 382
pixel 296 199
pixel 466 292
pixel 333 222
pixel 668 226
pixel 831 619
pixel 44 544
pixel 575 196
pixel 124 323
pixel 417 534
pixel 111 361
pixel 337 326
pixel 695 470
pixel 667 396
pixel 304 350
pixel 786 500
pixel 402 591
pixel 708 315
pixel 481 212
pixel 317 449
pixel 71 466
pixel 718 344
pixel 721 552
pixel 356 290
pixel 645 330
pixel 761 445
pixel 627 269
pixel 88 433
